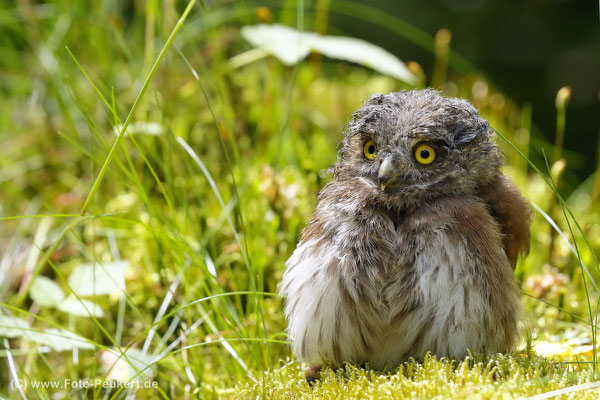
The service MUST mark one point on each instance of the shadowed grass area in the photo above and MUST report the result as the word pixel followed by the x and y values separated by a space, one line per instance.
pixel 195 171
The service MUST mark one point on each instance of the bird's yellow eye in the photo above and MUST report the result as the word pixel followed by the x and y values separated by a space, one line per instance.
pixel 370 150
pixel 424 154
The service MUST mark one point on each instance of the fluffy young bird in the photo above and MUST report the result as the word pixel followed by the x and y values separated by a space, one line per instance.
pixel 413 243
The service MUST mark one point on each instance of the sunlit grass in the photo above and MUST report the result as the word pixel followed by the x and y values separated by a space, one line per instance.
pixel 517 376
pixel 207 207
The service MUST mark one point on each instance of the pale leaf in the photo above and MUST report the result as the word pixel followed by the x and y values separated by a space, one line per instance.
pixel 59 339
pixel 99 279
pixel 13 327
pixel 290 46
pixel 125 368
pixel 82 308
pixel 46 292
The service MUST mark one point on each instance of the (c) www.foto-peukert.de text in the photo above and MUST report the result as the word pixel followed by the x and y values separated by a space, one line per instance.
pixel 83 383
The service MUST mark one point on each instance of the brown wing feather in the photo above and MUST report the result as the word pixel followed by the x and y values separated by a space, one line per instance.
pixel 513 213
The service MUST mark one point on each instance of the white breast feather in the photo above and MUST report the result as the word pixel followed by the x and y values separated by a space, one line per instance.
pixel 318 320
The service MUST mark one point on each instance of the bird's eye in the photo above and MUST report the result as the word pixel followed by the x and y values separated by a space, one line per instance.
pixel 424 154
pixel 370 150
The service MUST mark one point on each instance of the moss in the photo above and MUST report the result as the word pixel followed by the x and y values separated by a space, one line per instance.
pixel 498 377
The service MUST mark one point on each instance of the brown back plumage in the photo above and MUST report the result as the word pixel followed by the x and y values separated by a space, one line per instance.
pixel 513 214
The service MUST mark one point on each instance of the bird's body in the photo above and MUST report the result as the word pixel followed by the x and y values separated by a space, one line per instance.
pixel 406 254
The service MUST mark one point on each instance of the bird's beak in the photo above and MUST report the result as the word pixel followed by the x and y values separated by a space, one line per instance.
pixel 386 173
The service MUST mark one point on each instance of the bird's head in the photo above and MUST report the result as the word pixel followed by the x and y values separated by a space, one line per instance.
pixel 409 146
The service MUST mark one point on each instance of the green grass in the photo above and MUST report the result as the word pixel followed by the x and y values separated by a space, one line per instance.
pixel 500 377
pixel 142 142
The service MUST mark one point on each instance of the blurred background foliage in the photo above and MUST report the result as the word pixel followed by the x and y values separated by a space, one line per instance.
pixel 207 192
pixel 528 48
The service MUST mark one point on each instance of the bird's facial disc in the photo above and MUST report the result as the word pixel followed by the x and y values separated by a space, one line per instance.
pixel 406 163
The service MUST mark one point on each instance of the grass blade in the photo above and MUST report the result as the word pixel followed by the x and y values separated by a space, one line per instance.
pixel 136 104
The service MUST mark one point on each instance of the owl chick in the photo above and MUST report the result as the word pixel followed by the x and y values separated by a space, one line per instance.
pixel 413 243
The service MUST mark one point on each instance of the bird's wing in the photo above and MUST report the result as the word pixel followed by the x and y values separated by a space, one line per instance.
pixel 513 213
